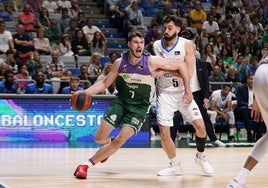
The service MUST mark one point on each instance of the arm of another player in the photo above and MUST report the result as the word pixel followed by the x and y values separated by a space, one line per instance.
pixel 106 82
pixel 157 63
pixel 190 57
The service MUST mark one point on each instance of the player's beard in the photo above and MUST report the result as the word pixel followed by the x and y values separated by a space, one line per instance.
pixel 167 38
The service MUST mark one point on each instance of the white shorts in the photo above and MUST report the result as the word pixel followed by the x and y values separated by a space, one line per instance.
pixel 168 103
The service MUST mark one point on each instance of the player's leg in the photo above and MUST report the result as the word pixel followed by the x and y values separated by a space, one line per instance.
pixel 260 148
pixel 192 114
pixel 166 106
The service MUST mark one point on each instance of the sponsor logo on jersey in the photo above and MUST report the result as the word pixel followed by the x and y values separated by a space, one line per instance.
pixel 177 53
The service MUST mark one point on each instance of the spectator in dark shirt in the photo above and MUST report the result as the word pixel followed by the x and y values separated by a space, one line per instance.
pixel 39 87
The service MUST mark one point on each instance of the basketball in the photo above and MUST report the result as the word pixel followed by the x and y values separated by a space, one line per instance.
pixel 81 101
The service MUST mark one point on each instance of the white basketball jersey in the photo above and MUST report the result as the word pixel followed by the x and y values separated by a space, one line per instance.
pixel 168 82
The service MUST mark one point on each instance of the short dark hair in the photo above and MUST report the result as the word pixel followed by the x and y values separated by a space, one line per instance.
pixel 135 33
pixel 177 21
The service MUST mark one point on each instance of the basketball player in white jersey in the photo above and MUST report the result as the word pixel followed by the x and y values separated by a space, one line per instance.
pixel 170 91
pixel 259 112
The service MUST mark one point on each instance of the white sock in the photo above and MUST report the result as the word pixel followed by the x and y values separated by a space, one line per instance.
pixel 200 154
pixel 242 176
pixel 174 161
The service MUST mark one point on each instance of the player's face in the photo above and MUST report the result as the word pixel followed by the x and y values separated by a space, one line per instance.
pixel 171 31
pixel 136 46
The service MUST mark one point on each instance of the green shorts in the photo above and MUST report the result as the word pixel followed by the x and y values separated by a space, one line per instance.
pixel 120 114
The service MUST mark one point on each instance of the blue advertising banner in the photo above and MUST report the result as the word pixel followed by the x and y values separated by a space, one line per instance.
pixel 51 119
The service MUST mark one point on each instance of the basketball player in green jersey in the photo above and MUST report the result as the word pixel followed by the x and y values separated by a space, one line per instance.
pixel 136 87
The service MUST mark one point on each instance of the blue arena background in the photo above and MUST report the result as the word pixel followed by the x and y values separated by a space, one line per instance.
pixel 51 118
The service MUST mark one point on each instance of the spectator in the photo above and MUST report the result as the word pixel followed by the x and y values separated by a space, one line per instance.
pixel 64 21
pixel 3 68
pixel 81 21
pixel 105 71
pixel 256 27
pixel 94 67
pixel 111 7
pixel 160 14
pixel 43 20
pixel 211 57
pixel 151 34
pixel 53 33
pixel 28 20
pixel 74 85
pixel 65 47
pixel 36 5
pixel 113 56
pixel 14 6
pixel 98 44
pixel 221 103
pixel 64 4
pixel 243 26
pixel 71 30
pixel 6 39
pixel 22 77
pixel 232 77
pixel 32 64
pixel 85 77
pixel 134 16
pixel 253 65
pixel 243 109
pixel 263 19
pixel 217 44
pixel 215 77
pixel 223 71
pixel 120 14
pixel 227 25
pixel 241 68
pixel 4 15
pixel 228 45
pixel 79 44
pixel 8 85
pixel 197 16
pixel 75 9
pixel 55 69
pixel 90 29
pixel 231 8
pixel 227 60
pixel 210 28
pixel 11 61
pixel 242 15
pixel 23 44
pixel 65 80
pixel 50 5
pixel 218 17
pixel 42 44
pixel 39 87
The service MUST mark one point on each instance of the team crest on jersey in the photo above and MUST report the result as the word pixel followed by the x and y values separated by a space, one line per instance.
pixel 177 53
pixel 113 117
pixel 196 112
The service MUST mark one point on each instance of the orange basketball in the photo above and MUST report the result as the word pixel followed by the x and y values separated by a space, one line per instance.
pixel 81 101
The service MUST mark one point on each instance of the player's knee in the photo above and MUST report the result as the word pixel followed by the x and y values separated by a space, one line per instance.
pixel 101 140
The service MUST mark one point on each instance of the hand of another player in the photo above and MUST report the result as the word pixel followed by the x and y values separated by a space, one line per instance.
pixel 158 72
pixel 188 97
pixel 255 112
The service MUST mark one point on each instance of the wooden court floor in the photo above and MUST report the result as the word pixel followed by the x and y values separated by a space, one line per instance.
pixel 128 168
